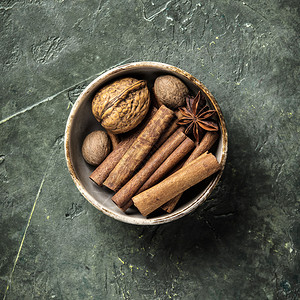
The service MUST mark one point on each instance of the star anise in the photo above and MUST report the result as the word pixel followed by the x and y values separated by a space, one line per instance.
pixel 196 116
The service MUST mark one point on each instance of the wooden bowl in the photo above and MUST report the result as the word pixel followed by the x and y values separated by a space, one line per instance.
pixel 81 122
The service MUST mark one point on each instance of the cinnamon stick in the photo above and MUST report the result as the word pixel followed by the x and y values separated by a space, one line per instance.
pixel 177 155
pixel 114 139
pixel 123 196
pixel 199 169
pixel 137 152
pixel 171 129
pixel 103 170
pixel 206 143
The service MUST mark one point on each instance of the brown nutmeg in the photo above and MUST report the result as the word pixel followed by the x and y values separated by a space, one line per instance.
pixel 121 105
pixel 96 146
pixel 170 91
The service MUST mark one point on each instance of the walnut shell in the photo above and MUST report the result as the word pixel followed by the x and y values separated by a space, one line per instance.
pixel 170 91
pixel 96 146
pixel 121 105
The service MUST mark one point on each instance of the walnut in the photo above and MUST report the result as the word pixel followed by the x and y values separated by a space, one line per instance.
pixel 170 91
pixel 96 146
pixel 121 105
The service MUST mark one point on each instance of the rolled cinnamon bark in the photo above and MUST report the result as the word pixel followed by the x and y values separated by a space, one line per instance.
pixel 103 170
pixel 177 155
pixel 206 143
pixel 198 170
pixel 123 196
pixel 170 130
pixel 114 139
pixel 137 152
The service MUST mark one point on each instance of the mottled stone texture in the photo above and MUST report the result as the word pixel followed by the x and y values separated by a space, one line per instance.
pixel 243 243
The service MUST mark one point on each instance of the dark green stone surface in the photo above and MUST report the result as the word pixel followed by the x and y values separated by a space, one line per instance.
pixel 243 243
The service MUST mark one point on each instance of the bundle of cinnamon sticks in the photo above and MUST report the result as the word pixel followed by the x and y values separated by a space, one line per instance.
pixel 153 165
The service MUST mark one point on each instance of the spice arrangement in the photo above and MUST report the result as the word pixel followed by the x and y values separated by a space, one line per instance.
pixel 156 142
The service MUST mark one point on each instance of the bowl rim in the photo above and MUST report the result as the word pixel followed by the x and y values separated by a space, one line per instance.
pixel 127 218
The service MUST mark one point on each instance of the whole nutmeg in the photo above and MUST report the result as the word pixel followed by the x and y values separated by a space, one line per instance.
pixel 170 91
pixel 121 105
pixel 96 146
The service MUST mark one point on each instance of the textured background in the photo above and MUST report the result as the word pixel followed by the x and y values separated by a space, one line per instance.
pixel 243 243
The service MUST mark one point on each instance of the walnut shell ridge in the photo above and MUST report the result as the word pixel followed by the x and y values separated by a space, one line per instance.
pixel 121 105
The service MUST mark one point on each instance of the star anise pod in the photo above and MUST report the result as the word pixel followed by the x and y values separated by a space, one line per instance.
pixel 196 116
